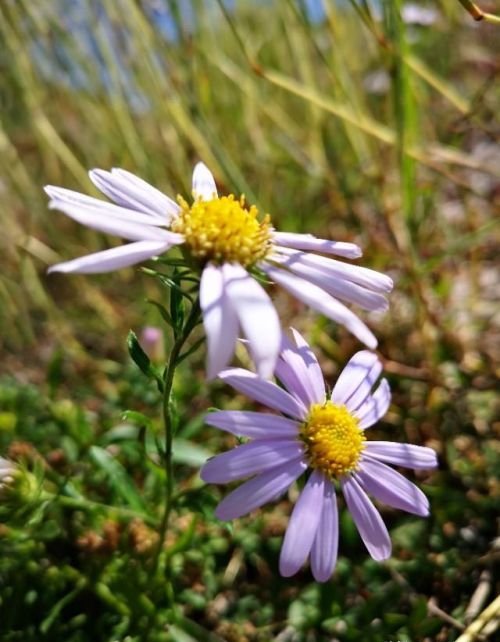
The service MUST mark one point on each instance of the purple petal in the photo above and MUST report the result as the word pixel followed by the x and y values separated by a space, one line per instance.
pixel 367 519
pixel 365 277
pixel 321 301
pixel 250 459
pixel 257 425
pixel 265 392
pixel 112 259
pixel 219 320
pixel 391 488
pixel 302 527
pixel 290 380
pixel 203 183
pixel 405 455
pixel 313 368
pixel 112 219
pixel 375 406
pixel 259 490
pixel 131 191
pixel 257 317
pixel 326 543
pixel 310 242
pixel 353 375
pixel 299 370
pixel 363 391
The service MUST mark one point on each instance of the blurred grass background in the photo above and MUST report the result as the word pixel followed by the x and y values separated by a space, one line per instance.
pixel 361 121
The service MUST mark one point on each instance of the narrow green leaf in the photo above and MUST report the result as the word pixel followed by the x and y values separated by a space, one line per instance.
pixel 192 349
pixel 118 477
pixel 141 359
pixel 163 311
pixel 177 302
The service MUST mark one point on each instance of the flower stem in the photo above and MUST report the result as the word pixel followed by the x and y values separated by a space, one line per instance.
pixel 168 380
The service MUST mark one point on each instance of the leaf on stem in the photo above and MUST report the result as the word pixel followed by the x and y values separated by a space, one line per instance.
pixel 141 359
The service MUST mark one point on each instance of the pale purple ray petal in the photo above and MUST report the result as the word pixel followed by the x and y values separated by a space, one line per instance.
pixel 405 455
pixel 257 317
pixel 292 372
pixel 259 490
pixel 290 380
pixel 337 287
pixel 363 391
pixel 313 368
pixel 203 183
pixel 375 406
pixel 219 320
pixel 257 425
pixel 367 519
pixel 250 459
pixel 112 259
pixel 116 220
pixel 371 279
pixel 353 374
pixel 68 196
pixel 302 527
pixel 265 392
pixel 310 242
pixel 321 301
pixel 391 488
pixel 131 191
pixel 325 547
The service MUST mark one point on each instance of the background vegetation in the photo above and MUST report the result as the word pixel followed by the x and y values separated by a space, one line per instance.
pixel 339 118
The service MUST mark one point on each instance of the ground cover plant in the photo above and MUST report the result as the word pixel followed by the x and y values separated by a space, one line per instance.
pixel 365 123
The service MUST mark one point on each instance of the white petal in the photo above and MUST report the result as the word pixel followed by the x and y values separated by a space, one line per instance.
pixel 63 195
pixel 116 220
pixel 337 286
pixel 131 191
pixel 203 183
pixel 310 242
pixel 113 259
pixel 318 299
pixel 219 320
pixel 353 375
pixel 371 279
pixel 256 315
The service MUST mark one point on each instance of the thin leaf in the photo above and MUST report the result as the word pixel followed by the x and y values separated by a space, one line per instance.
pixel 118 478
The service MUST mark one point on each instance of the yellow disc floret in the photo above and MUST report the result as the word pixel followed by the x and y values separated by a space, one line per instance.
pixel 333 439
pixel 224 230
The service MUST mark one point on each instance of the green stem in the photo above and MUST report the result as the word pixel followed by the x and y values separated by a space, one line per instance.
pixel 168 381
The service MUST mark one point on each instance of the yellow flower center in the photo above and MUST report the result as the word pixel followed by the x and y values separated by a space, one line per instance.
pixel 333 439
pixel 224 230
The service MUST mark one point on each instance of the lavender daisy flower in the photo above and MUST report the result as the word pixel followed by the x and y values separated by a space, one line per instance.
pixel 326 436
pixel 230 244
